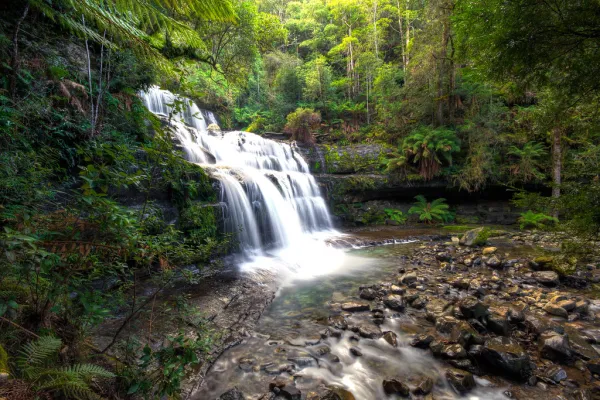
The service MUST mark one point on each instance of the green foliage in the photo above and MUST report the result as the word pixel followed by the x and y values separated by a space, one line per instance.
pixel 37 363
pixel 528 162
pixel 301 123
pixel 429 148
pixel 396 215
pixel 530 219
pixel 430 212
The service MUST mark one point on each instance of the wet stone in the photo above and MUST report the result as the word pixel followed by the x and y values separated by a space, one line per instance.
pixel 368 294
pixel 454 351
pixel 460 380
pixel 355 307
pixel 394 302
pixel 232 394
pixel 338 322
pixel 424 386
pixel 507 356
pixel 556 310
pixel 548 278
pixel 369 331
pixel 470 307
pixel 246 364
pixel 445 324
pixel 290 392
pixel 422 341
pixel 392 386
pixel 555 346
pixel 494 262
pixel 391 338
pixel 409 278
pixel 554 374
pixel 355 351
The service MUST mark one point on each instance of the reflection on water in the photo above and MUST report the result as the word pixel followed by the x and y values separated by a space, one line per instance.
pixel 289 341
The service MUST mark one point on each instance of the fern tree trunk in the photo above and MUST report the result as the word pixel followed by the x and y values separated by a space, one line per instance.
pixel 14 61
pixel 556 165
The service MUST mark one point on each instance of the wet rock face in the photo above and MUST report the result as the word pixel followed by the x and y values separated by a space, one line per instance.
pixel 507 357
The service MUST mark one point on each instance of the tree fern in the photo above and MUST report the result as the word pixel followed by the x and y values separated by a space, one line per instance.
pixel 115 23
pixel 430 148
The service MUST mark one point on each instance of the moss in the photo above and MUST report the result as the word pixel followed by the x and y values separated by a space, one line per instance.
pixel 482 237
pixel 3 361
pixel 456 228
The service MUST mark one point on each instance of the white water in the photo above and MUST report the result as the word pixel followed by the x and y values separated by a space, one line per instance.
pixel 270 199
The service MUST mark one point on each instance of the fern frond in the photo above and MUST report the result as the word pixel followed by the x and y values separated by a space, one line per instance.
pixel 37 353
pixel 88 371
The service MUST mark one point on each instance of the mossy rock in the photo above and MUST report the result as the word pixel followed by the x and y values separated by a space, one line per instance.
pixel 475 237
pixel 564 266
pixel 544 261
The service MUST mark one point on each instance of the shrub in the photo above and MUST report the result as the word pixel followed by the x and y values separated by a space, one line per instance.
pixel 396 215
pixel 301 122
pixel 530 219
pixel 435 211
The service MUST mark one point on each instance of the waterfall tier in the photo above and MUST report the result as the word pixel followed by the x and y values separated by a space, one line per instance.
pixel 269 197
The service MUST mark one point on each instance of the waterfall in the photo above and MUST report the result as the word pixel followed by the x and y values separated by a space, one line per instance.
pixel 270 199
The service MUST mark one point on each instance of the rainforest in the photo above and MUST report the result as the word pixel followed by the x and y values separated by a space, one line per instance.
pixel 299 200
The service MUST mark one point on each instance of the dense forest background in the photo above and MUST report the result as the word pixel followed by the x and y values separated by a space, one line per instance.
pixel 470 92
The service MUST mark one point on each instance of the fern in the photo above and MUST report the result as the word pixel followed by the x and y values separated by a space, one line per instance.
pixel 530 219
pixel 430 148
pixel 71 381
pixel 124 23
pixel 430 212
pixel 36 354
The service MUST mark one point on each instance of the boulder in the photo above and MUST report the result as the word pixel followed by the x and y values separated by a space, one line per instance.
pixel 460 380
pixel 507 357
pixel 547 278
pixel 470 307
pixel 394 302
pixel 554 374
pixel 393 386
pixel 368 294
pixel 555 346
pixel 473 237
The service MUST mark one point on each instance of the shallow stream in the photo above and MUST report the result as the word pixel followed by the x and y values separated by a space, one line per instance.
pixel 289 342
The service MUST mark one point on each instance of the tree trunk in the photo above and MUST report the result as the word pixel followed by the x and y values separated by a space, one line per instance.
pixel 556 165
pixel 14 62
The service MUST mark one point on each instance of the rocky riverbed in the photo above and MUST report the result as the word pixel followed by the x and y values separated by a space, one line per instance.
pixel 432 319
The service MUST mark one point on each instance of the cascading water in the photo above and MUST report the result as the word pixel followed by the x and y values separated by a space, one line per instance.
pixel 271 201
